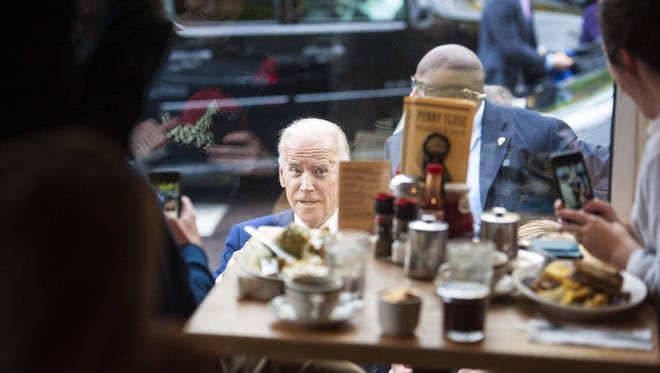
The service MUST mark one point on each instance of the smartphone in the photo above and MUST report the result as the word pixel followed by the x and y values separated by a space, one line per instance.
pixel 571 179
pixel 560 249
pixel 168 187
pixel 225 122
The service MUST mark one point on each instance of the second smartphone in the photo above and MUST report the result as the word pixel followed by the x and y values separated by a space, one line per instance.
pixel 571 179
pixel 168 186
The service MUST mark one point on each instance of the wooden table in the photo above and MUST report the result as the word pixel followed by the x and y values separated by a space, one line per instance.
pixel 247 327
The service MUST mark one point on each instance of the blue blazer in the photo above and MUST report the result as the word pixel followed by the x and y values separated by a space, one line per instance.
pixel 516 174
pixel 237 236
pixel 507 45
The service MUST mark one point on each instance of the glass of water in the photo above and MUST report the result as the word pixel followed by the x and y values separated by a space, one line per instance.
pixel 346 254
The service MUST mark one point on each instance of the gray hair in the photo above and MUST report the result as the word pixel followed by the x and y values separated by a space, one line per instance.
pixel 313 126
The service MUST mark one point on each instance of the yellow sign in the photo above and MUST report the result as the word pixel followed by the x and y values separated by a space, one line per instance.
pixel 437 128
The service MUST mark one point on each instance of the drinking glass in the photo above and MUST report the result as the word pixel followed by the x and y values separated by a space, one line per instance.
pixel 464 284
pixel 347 252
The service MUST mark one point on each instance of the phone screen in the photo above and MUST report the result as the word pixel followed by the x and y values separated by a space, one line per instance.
pixel 168 187
pixel 572 179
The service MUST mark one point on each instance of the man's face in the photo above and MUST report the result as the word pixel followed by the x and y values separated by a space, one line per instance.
pixel 310 176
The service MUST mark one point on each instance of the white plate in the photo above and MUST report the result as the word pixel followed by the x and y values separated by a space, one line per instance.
pixel 503 287
pixel 343 312
pixel 248 264
pixel 526 258
pixel 631 284
pixel 249 258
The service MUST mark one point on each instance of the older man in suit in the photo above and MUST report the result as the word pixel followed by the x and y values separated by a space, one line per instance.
pixel 509 50
pixel 509 147
pixel 309 150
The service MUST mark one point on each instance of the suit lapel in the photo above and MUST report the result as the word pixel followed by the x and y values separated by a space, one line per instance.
pixel 283 218
pixel 496 137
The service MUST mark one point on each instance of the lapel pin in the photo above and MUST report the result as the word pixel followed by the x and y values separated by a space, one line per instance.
pixel 501 141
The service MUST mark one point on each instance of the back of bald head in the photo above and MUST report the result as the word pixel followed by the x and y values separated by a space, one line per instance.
pixel 453 57
pixel 314 127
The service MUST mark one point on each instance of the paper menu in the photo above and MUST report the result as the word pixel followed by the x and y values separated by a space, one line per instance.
pixel 359 181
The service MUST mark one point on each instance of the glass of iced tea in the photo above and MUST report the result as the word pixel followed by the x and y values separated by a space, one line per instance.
pixel 464 284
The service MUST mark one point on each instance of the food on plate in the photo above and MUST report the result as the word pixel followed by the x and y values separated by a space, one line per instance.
pixel 295 240
pixel 603 278
pixel 580 283
pixel 307 246
pixel 399 294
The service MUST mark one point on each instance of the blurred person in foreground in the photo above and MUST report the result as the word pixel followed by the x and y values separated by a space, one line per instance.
pixel 80 289
pixel 82 238
pixel 631 36
pixel 95 81
pixel 509 147
pixel 310 150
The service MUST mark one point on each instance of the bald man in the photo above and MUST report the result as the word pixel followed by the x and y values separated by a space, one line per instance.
pixel 508 146
pixel 309 150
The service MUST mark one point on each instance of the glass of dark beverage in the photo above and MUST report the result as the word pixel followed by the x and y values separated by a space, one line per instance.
pixel 464 284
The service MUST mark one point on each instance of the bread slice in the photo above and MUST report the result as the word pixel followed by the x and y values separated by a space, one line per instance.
pixel 606 279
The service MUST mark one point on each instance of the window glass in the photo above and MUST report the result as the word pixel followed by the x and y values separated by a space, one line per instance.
pixel 254 66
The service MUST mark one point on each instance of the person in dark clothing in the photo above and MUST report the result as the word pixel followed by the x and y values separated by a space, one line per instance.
pixel 84 73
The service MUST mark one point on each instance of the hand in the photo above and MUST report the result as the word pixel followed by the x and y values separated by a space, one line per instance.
pixel 400 368
pixel 148 136
pixel 561 61
pixel 602 209
pixel 244 149
pixel 608 241
pixel 184 228
pixel 542 49
pixel 594 206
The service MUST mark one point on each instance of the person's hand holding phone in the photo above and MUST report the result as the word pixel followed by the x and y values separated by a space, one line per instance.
pixel 184 228
pixel 148 136
pixel 571 179
pixel 244 149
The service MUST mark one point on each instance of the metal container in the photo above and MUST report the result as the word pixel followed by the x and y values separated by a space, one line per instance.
pixel 404 186
pixel 501 227
pixel 425 249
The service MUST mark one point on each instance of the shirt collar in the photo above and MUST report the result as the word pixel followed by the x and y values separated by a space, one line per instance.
pixel 332 223
pixel 476 125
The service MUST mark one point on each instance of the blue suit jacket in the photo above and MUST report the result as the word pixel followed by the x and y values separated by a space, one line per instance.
pixel 516 174
pixel 237 236
pixel 507 45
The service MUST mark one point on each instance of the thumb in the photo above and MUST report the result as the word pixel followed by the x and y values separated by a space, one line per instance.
pixel 167 126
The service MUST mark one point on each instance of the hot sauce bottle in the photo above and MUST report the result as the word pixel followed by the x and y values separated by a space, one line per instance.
pixel 405 211
pixel 432 202
pixel 383 220
pixel 457 210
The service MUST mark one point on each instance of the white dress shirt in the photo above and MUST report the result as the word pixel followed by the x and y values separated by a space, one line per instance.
pixel 332 223
pixel 474 195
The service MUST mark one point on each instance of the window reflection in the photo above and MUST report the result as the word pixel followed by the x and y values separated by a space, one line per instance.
pixel 348 61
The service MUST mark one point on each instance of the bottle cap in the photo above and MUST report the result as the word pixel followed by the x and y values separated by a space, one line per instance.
pixel 405 208
pixel 384 203
pixel 434 168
